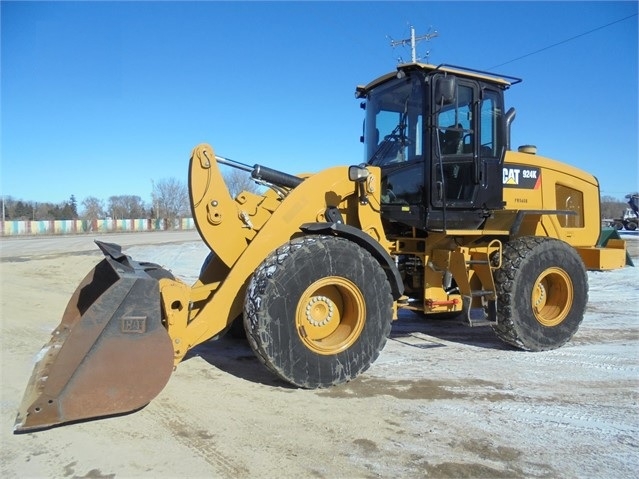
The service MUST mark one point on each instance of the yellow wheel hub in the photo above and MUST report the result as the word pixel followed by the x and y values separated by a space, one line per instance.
pixel 552 296
pixel 330 315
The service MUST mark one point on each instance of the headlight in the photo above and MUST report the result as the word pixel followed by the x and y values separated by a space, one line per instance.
pixel 358 173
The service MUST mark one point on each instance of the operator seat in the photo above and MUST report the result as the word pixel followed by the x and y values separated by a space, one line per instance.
pixel 451 140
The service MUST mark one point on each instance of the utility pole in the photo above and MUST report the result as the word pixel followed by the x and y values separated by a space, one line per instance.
pixel 413 42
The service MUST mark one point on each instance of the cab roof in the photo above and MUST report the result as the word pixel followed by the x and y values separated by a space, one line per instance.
pixel 504 81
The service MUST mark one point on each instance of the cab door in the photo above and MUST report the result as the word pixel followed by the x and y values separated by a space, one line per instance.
pixel 454 149
pixel 467 149
pixel 455 178
pixel 492 148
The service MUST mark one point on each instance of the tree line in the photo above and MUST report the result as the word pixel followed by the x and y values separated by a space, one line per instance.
pixel 169 200
pixel 612 207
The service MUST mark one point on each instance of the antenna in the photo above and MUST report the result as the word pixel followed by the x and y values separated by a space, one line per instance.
pixel 413 42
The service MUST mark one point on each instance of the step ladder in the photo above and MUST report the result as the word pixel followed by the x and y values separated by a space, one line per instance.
pixel 486 314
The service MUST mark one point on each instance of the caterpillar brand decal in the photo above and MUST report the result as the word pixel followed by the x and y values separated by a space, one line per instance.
pixel 519 176
pixel 133 324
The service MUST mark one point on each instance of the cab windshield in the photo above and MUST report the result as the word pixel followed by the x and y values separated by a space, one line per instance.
pixel 393 128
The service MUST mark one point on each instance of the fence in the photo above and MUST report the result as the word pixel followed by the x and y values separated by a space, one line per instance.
pixel 51 227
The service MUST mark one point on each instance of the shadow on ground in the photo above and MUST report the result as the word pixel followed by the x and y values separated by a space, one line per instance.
pixel 233 355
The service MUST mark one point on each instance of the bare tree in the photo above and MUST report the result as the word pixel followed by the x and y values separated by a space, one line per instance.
pixel 170 199
pixel 41 211
pixel 126 207
pixel 93 208
pixel 238 181
pixel 612 207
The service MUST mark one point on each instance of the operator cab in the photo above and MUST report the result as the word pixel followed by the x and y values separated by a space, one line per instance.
pixel 439 135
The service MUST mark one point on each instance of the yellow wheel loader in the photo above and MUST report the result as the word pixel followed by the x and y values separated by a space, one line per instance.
pixel 442 217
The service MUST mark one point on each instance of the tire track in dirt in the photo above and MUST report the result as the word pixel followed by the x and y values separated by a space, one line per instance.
pixel 583 360
pixel 589 420
pixel 200 441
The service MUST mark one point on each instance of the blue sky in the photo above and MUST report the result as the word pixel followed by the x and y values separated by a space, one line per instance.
pixel 102 98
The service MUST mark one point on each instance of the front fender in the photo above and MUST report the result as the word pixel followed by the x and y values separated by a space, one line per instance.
pixel 368 243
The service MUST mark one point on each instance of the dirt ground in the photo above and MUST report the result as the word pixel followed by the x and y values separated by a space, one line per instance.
pixel 441 401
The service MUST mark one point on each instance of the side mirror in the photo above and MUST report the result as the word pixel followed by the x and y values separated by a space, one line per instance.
pixel 445 90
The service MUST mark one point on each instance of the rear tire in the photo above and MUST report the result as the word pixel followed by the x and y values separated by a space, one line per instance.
pixel 542 290
pixel 318 311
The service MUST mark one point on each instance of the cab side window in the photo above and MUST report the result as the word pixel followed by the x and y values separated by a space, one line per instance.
pixel 490 125
pixel 455 124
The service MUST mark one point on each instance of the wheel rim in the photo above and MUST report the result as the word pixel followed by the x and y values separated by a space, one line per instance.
pixel 330 315
pixel 552 296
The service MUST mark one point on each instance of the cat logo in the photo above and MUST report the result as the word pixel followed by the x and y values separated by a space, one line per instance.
pixel 511 176
pixel 516 176
pixel 133 324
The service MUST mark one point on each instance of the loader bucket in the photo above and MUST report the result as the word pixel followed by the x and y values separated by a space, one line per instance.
pixel 109 355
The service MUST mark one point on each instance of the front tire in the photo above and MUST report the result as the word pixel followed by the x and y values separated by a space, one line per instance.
pixel 542 290
pixel 318 311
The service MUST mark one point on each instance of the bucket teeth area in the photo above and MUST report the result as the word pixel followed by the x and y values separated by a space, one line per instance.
pixel 109 355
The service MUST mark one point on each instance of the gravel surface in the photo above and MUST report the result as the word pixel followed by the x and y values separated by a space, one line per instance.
pixel 442 400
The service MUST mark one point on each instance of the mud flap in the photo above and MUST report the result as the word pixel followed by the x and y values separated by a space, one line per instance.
pixel 110 354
